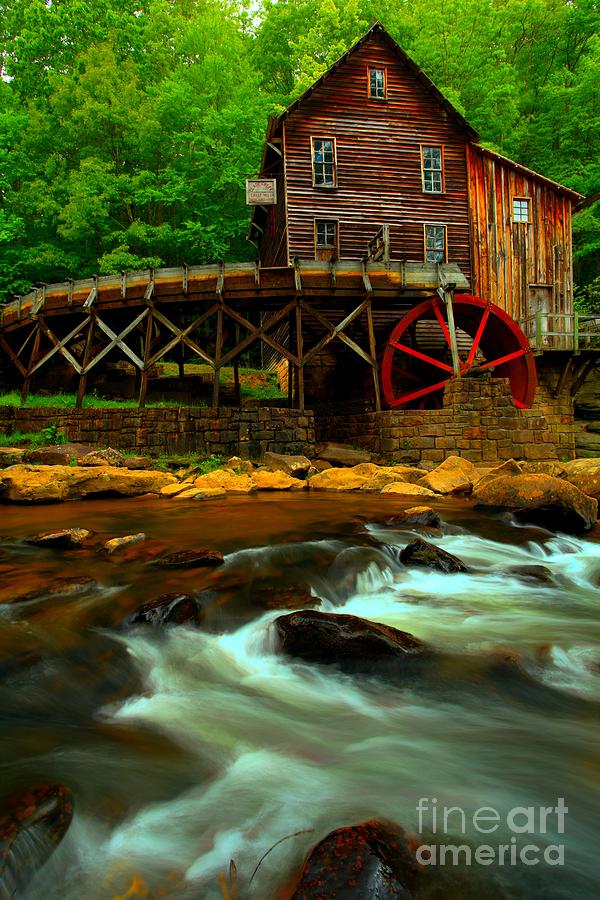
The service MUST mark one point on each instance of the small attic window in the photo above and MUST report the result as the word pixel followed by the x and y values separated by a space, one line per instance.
pixel 377 84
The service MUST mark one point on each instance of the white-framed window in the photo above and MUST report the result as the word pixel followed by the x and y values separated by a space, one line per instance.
pixel 377 84
pixel 435 243
pixel 324 164
pixel 520 209
pixel 432 166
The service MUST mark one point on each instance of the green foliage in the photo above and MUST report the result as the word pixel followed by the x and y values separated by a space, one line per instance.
pixel 209 465
pixel 50 435
pixel 67 401
pixel 127 127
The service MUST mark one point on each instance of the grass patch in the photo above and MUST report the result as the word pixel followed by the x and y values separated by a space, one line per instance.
pixel 17 438
pixel 44 438
pixel 67 401
pixel 255 384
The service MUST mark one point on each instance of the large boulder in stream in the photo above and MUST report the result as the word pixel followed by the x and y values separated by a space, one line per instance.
pixel 584 474
pixel 453 476
pixel 321 637
pixel 370 861
pixel 32 825
pixel 48 484
pixel 553 503
pixel 428 556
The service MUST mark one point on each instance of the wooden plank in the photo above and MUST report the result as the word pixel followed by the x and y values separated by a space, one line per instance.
pixel 89 341
pixel 147 349
pixel 373 352
pixel 218 355
pixel 4 345
pixel 337 332
pixel 258 333
pixel 583 374
pixel 181 336
pixel 34 354
pixel 563 377
pixel 300 355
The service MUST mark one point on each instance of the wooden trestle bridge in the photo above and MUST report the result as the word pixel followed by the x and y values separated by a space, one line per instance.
pixel 216 313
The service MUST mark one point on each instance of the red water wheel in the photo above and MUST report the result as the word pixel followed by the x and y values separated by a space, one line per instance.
pixel 417 360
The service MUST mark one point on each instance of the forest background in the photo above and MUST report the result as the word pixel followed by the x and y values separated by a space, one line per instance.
pixel 128 127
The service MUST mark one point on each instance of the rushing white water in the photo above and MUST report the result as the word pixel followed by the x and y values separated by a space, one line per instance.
pixel 277 746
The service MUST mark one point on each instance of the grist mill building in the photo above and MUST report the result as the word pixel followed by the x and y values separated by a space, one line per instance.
pixel 413 289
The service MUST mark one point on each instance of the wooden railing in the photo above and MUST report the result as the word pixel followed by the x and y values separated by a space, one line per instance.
pixel 562 331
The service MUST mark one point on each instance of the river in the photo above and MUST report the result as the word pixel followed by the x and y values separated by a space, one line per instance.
pixel 187 748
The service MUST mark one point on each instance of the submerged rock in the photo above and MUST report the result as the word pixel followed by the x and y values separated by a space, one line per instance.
pixel 59 588
pixel 322 637
pixel 32 825
pixel 422 553
pixel 190 559
pixel 285 597
pixel 370 861
pixel 532 573
pixel 47 484
pixel 553 503
pixel 168 609
pixel 65 539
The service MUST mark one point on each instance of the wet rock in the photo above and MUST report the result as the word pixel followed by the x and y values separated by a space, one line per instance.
pixel 411 474
pixel 550 467
pixel 114 545
pixel 168 609
pixel 337 479
pixel 418 516
pixel 227 480
pixel 171 490
pixel 407 489
pixel 108 457
pixel 370 861
pixel 64 539
pixel 296 466
pixel 510 467
pixel 48 484
pixel 376 483
pixel 553 503
pixel 584 474
pixel 454 475
pixel 32 825
pixel 59 588
pixel 321 637
pixel 532 573
pixel 343 455
pixel 264 480
pixel 191 559
pixel 320 465
pixel 428 556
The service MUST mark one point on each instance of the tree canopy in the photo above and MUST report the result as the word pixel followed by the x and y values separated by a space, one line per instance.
pixel 127 128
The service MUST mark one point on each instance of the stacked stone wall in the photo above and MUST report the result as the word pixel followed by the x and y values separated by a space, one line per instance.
pixel 223 431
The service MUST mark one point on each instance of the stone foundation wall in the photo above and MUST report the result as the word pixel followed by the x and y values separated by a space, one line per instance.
pixel 478 421
pixel 223 431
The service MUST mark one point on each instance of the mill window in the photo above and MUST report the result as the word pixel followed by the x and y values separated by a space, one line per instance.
pixel 520 209
pixel 432 169
pixel 324 162
pixel 435 243
pixel 377 84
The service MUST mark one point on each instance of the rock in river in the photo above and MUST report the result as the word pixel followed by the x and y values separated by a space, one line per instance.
pixel 64 539
pixel 416 516
pixel 32 825
pixel 551 502
pixel 370 861
pixel 190 559
pixel 47 484
pixel 168 609
pixel 428 556
pixel 322 637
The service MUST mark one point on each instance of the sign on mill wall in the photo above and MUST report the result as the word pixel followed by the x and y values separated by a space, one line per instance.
pixel 261 192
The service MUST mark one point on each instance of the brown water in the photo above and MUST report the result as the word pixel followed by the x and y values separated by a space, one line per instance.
pixel 188 748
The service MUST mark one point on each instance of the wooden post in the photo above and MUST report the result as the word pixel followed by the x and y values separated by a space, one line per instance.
pixel 236 370
pixel 147 354
pixel 85 361
pixel 449 301
pixel 34 353
pixel 181 362
pixel 218 355
pixel 373 352
pixel 300 355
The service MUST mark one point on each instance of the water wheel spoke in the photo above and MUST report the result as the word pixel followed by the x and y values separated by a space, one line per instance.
pixel 443 325
pixel 503 359
pixel 422 392
pixel 422 356
pixel 477 338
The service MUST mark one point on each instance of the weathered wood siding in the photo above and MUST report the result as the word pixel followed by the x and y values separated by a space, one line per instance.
pixel 272 245
pixel 378 162
pixel 523 267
